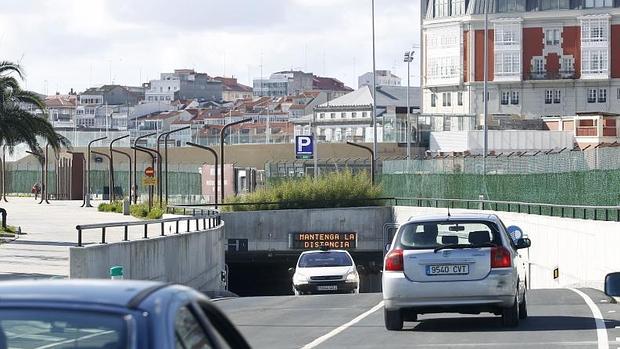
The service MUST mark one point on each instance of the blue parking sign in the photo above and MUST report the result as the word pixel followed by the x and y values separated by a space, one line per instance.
pixel 304 147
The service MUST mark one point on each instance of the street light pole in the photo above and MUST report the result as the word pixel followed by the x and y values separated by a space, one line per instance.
pixel 135 167
pixel 87 197
pixel 215 164
pixel 112 193
pixel 372 160
pixel 485 92
pixel 109 169
pixel 374 90
pixel 222 135
pixel 408 59
pixel 166 157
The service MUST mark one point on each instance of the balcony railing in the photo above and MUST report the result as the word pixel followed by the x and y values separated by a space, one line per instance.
pixel 588 131
pixel 563 74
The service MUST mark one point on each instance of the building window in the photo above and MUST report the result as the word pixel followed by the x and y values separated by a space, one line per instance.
pixel 332 115
pixel 567 65
pixel 442 8
pixel 557 96
pixel 602 95
pixel 353 115
pixel 598 3
pixel 505 97
pixel 322 116
pixel 433 100
pixel 507 63
pixel 594 61
pixel 364 114
pixel 548 96
pixel 514 97
pixel 592 95
pixel 343 115
pixel 457 7
pixel 446 99
pixel 459 97
pixel 594 30
pixel 552 37
pixel 538 66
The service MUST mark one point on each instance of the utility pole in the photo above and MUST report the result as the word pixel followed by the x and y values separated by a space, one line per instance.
pixel 374 90
pixel 485 92
pixel 408 59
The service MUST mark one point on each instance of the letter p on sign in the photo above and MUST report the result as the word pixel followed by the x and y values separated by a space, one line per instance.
pixel 304 147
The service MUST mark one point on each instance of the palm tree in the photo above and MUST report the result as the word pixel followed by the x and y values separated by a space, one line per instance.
pixel 18 125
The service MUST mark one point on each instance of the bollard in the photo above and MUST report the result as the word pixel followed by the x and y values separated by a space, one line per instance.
pixel 481 204
pixel 116 272
pixel 126 207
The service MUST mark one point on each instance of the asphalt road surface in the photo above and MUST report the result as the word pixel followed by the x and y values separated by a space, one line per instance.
pixel 558 318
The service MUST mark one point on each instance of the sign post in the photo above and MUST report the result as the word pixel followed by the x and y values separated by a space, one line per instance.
pixel 149 179
pixel 304 147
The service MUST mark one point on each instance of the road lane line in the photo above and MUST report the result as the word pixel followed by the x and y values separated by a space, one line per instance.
pixel 601 329
pixel 335 332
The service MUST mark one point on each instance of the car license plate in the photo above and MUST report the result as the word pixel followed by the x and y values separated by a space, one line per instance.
pixel 447 269
pixel 327 288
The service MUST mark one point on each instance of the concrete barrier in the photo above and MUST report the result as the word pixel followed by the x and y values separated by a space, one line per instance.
pixel 194 259
pixel 583 251
pixel 269 230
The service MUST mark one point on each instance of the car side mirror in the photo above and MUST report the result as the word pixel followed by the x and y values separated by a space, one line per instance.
pixel 612 284
pixel 387 247
pixel 291 271
pixel 523 243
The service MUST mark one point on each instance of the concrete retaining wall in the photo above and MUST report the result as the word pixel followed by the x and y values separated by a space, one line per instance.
pixel 193 259
pixel 268 230
pixel 583 250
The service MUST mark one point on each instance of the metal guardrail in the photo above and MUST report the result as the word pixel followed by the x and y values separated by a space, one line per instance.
pixel 210 219
pixel 606 213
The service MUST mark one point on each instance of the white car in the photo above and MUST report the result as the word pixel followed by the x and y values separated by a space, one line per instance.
pixel 458 264
pixel 325 271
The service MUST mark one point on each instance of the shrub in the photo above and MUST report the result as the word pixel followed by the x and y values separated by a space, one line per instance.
pixel 139 210
pixel 156 213
pixel 116 206
pixel 343 189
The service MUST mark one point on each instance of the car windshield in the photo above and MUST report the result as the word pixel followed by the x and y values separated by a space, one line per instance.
pixel 325 259
pixel 37 329
pixel 425 235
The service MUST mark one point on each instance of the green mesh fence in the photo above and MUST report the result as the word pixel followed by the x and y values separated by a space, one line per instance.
pixel 598 187
pixel 179 183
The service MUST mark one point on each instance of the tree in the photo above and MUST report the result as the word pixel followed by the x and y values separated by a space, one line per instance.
pixel 18 125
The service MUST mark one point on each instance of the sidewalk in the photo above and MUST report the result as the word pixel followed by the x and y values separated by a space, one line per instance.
pixel 50 230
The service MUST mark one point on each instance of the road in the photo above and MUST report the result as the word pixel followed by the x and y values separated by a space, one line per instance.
pixel 557 318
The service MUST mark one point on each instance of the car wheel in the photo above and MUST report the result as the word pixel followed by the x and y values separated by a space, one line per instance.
pixel 523 307
pixel 393 319
pixel 297 293
pixel 510 315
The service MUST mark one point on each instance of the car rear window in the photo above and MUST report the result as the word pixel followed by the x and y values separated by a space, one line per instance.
pixel 325 259
pixel 423 235
pixel 62 329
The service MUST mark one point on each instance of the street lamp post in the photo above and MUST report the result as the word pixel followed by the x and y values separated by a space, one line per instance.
pixel 140 149
pixel 374 90
pixel 485 92
pixel 86 202
pixel 129 171
pixel 166 157
pixel 112 193
pixel 222 135
pixel 4 174
pixel 209 149
pixel 135 167
pixel 372 160
pixel 408 60
pixel 109 169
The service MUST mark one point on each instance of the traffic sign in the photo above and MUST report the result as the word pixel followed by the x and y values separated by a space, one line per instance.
pixel 149 181
pixel 304 147
pixel 149 171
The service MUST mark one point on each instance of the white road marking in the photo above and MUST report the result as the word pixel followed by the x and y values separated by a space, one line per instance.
pixel 611 311
pixel 601 331
pixel 336 331
pixel 74 340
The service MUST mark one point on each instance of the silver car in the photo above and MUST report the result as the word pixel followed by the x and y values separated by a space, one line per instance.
pixel 461 263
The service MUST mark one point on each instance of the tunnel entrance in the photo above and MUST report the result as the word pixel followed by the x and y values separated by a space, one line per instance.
pixel 265 273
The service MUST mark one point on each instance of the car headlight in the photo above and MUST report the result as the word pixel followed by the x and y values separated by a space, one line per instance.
pixel 352 277
pixel 299 279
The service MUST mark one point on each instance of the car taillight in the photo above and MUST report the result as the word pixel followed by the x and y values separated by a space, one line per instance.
pixel 500 257
pixel 394 260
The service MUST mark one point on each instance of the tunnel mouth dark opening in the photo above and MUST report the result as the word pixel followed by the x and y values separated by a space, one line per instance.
pixel 266 273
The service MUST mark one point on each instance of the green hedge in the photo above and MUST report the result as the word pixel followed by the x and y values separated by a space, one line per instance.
pixel 342 189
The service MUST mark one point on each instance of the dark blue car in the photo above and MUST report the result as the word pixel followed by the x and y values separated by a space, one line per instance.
pixel 110 314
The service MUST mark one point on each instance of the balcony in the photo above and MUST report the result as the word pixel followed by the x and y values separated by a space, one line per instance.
pixel 563 74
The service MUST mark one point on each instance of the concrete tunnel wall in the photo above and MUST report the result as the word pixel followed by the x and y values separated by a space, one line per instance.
pixel 269 230
pixel 194 259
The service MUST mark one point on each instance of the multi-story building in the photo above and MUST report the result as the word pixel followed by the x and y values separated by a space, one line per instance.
pixel 545 58
pixel 61 110
pixel 291 83
pixel 384 78
pixel 183 84
pixel 233 90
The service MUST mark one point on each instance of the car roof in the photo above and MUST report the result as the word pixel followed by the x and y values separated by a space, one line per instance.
pixel 455 217
pixel 110 292
pixel 323 251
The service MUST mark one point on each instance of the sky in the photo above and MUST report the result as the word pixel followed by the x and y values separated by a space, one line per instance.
pixel 65 44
